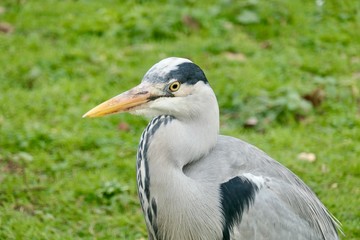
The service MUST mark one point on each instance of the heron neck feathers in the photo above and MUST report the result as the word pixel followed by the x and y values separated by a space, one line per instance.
pixel 167 145
pixel 185 140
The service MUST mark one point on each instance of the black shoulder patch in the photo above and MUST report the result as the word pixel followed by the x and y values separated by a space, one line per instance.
pixel 236 196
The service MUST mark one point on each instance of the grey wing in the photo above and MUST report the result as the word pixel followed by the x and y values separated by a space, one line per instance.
pixel 282 207
pixel 279 213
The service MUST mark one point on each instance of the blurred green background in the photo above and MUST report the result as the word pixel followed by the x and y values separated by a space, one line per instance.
pixel 286 74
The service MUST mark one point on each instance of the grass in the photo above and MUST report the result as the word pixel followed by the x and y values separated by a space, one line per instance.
pixel 293 66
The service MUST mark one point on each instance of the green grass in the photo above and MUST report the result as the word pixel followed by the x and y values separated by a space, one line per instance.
pixel 64 177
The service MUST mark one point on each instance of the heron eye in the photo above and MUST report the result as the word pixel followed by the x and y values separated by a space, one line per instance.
pixel 174 86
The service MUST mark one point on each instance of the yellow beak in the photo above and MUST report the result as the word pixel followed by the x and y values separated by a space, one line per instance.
pixel 121 103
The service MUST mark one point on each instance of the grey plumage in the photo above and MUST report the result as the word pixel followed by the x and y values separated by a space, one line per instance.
pixel 284 207
pixel 196 184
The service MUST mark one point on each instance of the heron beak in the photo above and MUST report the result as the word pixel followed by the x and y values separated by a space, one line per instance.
pixel 124 102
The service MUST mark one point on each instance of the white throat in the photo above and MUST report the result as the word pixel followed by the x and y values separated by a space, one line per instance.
pixel 178 141
pixel 193 131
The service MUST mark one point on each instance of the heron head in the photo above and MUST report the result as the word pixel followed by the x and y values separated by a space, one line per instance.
pixel 173 86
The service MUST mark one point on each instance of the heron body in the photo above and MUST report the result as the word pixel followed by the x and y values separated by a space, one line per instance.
pixel 195 184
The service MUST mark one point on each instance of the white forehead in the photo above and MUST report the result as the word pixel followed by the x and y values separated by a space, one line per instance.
pixel 167 65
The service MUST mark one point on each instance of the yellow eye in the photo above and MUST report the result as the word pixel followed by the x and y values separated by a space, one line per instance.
pixel 174 86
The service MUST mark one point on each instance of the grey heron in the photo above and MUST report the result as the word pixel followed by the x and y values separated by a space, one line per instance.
pixel 194 184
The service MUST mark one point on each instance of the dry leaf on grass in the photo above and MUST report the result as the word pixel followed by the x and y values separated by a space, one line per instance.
pixel 2 10
pixel 305 156
pixel 316 97
pixel 124 127
pixel 6 27
pixel 240 57
pixel 191 22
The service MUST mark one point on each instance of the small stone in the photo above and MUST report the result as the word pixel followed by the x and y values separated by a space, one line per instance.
pixel 251 122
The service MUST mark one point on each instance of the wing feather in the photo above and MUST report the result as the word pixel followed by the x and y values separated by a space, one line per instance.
pixel 283 204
